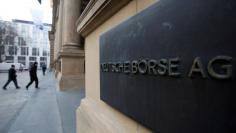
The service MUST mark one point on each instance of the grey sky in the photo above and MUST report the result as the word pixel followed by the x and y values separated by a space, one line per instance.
pixel 25 10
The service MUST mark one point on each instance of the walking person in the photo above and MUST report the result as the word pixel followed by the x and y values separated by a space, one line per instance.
pixel 21 68
pixel 33 75
pixel 11 77
pixel 44 67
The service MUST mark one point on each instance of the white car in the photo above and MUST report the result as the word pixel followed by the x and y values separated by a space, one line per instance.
pixel 4 67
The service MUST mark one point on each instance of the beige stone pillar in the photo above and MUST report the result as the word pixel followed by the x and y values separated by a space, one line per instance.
pixel 57 22
pixel 51 37
pixel 71 55
pixel 60 26
pixel 71 14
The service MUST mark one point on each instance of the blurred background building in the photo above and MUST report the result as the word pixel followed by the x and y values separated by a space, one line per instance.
pixel 24 42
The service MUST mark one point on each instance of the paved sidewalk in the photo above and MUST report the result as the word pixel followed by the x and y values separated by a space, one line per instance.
pixel 68 102
pixel 11 100
pixel 39 111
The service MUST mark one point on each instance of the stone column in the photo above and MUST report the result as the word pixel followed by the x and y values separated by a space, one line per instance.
pixel 51 37
pixel 57 22
pixel 60 25
pixel 71 55
pixel 71 14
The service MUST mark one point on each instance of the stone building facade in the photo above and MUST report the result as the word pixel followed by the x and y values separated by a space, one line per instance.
pixel 66 44
pixel 94 115
pixel 74 39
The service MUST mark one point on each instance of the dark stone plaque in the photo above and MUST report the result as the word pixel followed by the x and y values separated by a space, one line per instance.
pixel 172 66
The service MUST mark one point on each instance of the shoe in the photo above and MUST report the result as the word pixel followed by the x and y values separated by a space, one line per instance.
pixel 27 87
pixel 4 88
pixel 37 87
pixel 18 87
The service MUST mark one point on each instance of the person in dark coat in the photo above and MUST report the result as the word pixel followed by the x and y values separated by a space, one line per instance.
pixel 11 77
pixel 44 67
pixel 33 75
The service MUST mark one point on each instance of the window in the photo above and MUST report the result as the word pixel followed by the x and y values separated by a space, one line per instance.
pixel 32 58
pixel 21 41
pixel 9 40
pixel 10 59
pixel 43 58
pixel 31 64
pixel 24 51
pixel 21 59
pixel 35 51
pixel 2 50
pixel 42 63
pixel 12 50
pixel 45 53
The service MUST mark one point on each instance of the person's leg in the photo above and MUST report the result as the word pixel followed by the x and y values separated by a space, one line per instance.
pixel 36 82
pixel 8 81
pixel 31 81
pixel 15 82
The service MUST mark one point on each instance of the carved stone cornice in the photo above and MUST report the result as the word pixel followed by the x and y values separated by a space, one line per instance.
pixel 97 12
pixel 61 54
